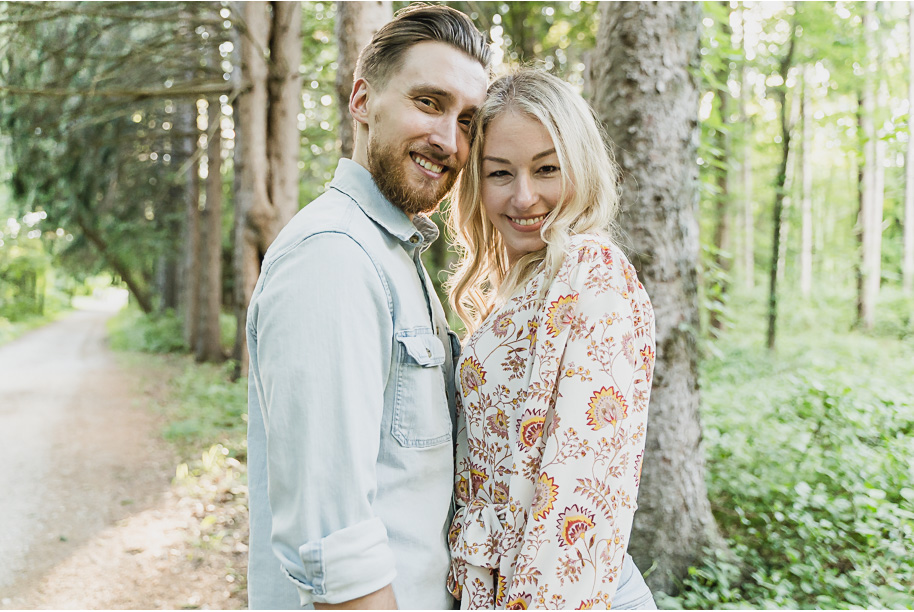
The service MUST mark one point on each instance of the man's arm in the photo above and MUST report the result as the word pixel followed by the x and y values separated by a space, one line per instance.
pixel 324 329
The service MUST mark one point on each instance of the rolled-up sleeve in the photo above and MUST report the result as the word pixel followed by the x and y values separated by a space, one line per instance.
pixel 323 327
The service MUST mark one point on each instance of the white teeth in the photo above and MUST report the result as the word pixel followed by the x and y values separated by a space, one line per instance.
pixel 429 165
pixel 532 221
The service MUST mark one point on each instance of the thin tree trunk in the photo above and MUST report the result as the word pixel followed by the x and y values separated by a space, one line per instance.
pixel 190 273
pixel 869 280
pixel 645 94
pixel 722 255
pixel 209 343
pixel 908 262
pixel 746 172
pixel 283 139
pixel 356 23
pixel 806 197
pixel 780 192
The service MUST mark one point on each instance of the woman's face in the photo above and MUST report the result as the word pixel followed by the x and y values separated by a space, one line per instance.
pixel 521 180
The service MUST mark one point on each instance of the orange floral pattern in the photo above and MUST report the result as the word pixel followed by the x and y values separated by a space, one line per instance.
pixel 552 414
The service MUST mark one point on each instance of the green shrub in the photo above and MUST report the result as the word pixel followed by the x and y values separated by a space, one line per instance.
pixel 810 454
pixel 131 330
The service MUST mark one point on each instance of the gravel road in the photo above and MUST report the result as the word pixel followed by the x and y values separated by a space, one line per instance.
pixel 79 450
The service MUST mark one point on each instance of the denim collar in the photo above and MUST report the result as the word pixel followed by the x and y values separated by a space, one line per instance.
pixel 355 181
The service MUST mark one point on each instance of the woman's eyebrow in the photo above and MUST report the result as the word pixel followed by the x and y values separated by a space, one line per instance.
pixel 501 160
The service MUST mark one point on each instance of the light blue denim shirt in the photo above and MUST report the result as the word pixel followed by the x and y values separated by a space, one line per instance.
pixel 351 414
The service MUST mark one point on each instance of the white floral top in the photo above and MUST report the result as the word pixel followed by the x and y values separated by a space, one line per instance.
pixel 552 411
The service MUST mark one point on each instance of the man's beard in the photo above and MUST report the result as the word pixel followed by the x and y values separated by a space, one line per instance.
pixel 386 166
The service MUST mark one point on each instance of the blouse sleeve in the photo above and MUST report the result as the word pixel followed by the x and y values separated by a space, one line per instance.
pixel 586 484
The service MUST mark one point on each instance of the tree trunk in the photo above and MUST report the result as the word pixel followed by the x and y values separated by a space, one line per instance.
pixel 209 342
pixel 806 197
pixel 869 279
pixel 722 256
pixel 269 144
pixel 908 262
pixel 646 96
pixel 780 192
pixel 190 272
pixel 356 23
pixel 746 172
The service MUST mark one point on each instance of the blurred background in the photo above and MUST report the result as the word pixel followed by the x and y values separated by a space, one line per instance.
pixel 150 152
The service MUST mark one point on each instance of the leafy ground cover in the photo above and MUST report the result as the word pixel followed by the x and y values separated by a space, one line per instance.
pixel 810 460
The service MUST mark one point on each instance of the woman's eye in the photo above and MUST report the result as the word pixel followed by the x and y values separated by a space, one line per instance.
pixel 498 173
pixel 549 169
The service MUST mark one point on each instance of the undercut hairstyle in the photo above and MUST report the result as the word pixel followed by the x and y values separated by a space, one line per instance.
pixel 589 200
pixel 419 22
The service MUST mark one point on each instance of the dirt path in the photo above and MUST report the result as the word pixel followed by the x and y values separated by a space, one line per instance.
pixel 90 517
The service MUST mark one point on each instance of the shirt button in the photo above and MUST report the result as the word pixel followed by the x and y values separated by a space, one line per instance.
pixel 429 352
pixel 414 239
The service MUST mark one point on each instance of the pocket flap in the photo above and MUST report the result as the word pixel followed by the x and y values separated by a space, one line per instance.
pixel 423 347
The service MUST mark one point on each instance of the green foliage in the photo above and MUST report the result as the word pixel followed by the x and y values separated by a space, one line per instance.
pixel 202 407
pixel 810 456
pixel 131 330
pixel 206 409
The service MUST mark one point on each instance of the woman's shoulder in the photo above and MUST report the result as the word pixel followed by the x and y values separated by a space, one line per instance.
pixel 594 258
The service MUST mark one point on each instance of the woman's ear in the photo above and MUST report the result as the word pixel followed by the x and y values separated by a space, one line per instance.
pixel 358 101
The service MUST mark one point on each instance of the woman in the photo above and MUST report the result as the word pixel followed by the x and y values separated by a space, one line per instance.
pixel 555 377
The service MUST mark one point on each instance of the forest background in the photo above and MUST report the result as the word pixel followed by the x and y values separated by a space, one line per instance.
pixel 159 147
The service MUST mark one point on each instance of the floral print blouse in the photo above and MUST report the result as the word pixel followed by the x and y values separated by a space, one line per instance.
pixel 552 408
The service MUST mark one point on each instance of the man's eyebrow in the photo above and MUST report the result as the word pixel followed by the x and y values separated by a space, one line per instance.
pixel 429 89
pixel 500 160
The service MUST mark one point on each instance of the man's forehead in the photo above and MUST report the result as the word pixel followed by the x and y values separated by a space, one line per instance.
pixel 443 70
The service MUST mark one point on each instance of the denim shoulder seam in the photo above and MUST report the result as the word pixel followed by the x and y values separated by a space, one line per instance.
pixel 377 268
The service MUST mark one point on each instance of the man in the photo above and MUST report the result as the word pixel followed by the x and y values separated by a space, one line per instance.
pixel 351 374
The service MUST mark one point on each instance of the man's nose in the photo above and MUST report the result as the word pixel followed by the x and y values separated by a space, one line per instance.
pixel 444 136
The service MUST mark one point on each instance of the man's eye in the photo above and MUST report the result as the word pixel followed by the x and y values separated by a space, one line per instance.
pixel 427 102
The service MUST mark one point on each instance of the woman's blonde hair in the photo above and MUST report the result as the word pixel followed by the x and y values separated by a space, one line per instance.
pixel 588 204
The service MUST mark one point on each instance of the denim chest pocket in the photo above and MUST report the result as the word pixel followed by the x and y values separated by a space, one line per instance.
pixel 420 416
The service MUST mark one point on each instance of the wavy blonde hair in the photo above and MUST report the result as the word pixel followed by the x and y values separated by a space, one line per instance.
pixel 589 200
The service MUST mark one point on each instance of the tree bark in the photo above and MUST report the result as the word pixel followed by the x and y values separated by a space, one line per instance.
pixel 190 271
pixel 209 338
pixel 268 145
pixel 908 262
pixel 806 197
pixel 646 96
pixel 356 23
pixel 869 272
pixel 722 255
pixel 746 172
pixel 780 191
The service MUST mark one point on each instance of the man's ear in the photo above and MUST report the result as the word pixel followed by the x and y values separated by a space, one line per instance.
pixel 358 101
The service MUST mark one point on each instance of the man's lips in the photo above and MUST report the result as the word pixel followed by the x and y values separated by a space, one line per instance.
pixel 428 165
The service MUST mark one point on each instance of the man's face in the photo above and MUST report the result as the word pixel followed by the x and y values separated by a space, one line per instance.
pixel 418 127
